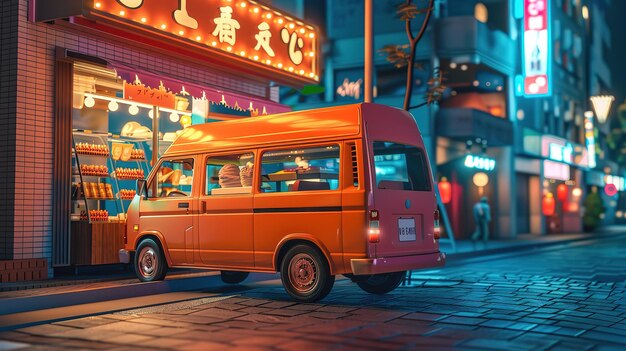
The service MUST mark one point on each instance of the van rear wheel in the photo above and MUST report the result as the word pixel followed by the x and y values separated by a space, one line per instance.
pixel 305 274
pixel 233 277
pixel 381 283
pixel 150 264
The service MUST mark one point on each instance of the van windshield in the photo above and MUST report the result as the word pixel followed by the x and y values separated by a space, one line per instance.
pixel 400 167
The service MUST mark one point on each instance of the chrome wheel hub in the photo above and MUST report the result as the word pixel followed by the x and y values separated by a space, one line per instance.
pixel 303 272
pixel 148 262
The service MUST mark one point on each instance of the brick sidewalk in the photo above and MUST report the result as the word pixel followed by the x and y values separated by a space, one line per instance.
pixel 571 298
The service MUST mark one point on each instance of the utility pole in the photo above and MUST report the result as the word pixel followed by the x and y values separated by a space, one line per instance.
pixel 369 51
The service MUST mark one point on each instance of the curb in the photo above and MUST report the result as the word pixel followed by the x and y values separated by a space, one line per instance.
pixel 529 246
pixel 77 297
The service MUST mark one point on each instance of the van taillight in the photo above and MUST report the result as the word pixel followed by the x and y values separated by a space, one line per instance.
pixel 437 230
pixel 373 232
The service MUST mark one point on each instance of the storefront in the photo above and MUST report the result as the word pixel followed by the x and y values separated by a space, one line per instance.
pixel 115 82
pixel 467 174
pixel 551 184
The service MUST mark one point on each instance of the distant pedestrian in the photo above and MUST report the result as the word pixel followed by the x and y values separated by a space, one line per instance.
pixel 482 217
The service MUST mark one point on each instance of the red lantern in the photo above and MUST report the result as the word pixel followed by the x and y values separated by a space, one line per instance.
pixel 548 205
pixel 445 190
pixel 561 192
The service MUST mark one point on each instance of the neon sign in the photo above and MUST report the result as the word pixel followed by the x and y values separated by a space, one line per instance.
pixel 242 30
pixel 556 170
pixel 561 153
pixel 617 181
pixel 482 163
pixel 590 139
pixel 536 48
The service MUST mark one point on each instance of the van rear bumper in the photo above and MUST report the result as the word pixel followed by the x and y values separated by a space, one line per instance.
pixel 366 266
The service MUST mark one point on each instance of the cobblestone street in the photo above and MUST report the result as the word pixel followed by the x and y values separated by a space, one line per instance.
pixel 567 298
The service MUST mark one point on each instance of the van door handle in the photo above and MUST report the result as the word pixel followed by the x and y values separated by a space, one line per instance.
pixel 183 205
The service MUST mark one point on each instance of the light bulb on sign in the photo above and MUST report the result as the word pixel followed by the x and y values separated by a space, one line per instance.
pixel 133 110
pixel 185 121
pixel 113 106
pixel 90 101
pixel 151 114
pixel 174 117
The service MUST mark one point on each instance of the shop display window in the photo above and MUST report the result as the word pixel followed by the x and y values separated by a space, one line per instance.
pixel 229 174
pixel 300 169
pixel 173 179
pixel 400 167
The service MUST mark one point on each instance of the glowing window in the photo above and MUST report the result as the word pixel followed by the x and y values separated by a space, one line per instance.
pixel 481 13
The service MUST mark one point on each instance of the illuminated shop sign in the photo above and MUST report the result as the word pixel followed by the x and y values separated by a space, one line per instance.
pixel 562 153
pixel 555 170
pixel 241 29
pixel 590 140
pixel 351 89
pixel 536 48
pixel 619 182
pixel 478 162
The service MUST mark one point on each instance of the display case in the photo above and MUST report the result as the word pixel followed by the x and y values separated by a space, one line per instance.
pixel 104 174
pixel 93 187
pixel 129 157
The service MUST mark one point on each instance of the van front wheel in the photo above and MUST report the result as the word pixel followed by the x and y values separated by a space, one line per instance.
pixel 381 283
pixel 150 264
pixel 305 274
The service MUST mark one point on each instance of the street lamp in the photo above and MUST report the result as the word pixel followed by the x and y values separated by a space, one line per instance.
pixel 602 106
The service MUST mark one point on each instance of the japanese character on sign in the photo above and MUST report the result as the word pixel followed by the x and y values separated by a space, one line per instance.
pixel 263 39
pixel 225 26
pixel 295 45
pixel 535 23
pixel 131 4
pixel 535 7
pixel 181 16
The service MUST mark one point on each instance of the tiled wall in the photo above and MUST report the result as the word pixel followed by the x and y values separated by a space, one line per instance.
pixel 8 93
pixel 33 116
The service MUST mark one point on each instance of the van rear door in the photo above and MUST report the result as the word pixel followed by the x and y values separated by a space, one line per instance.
pixel 404 198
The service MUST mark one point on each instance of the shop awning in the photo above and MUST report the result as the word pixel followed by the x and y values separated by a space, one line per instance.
pixel 215 95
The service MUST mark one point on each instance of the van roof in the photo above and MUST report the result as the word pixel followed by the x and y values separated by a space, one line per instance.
pixel 338 121
pixel 296 126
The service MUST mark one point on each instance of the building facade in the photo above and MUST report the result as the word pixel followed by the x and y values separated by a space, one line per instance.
pixel 521 142
pixel 84 81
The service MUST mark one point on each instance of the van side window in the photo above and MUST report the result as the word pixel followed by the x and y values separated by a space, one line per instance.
pixel 400 167
pixel 173 179
pixel 229 174
pixel 300 169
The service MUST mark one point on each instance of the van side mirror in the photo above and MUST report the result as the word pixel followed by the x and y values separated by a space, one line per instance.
pixel 142 188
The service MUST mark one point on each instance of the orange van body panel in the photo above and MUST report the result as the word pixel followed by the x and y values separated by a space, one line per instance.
pixel 247 231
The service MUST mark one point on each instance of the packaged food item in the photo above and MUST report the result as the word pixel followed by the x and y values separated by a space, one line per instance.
pixel 116 150
pixel 87 189
pixel 102 191
pixel 94 189
pixel 126 152
pixel 109 191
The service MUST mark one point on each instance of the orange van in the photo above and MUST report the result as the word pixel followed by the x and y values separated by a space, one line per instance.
pixel 310 194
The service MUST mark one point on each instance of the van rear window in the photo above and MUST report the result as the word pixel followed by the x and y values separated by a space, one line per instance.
pixel 400 167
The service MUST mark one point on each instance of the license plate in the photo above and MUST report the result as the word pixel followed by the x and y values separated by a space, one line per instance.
pixel 406 229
